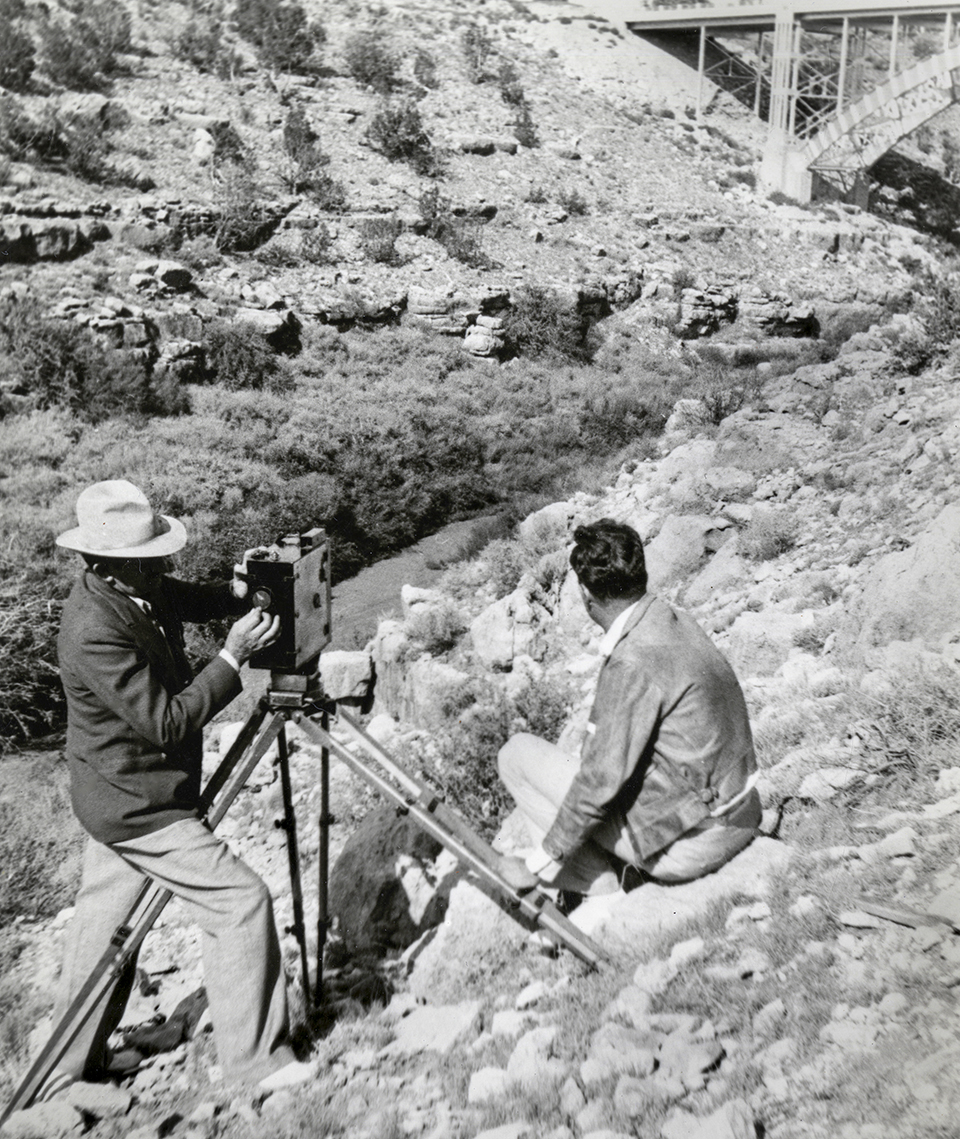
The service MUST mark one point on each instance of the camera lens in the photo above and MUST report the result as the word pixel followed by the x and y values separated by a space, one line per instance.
pixel 262 598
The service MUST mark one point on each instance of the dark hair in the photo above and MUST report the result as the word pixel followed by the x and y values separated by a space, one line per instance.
pixel 608 560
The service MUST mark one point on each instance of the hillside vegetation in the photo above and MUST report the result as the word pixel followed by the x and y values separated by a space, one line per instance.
pixel 381 267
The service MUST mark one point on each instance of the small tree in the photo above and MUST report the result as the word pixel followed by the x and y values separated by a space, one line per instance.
pixel 477 49
pixel 280 32
pixel 370 62
pixel 302 168
pixel 17 55
pixel 244 219
pixel 397 131
pixel 378 237
pixel 425 69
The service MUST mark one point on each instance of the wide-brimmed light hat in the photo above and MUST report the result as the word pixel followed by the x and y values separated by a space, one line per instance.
pixel 116 520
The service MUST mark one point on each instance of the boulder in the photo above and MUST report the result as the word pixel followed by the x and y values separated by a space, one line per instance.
pixel 757 644
pixel 24 241
pixel 346 675
pixel 174 275
pixel 647 915
pixel 913 594
pixel 476 931
pixel 434 1028
pixel 510 627
pixel 384 887
pixel 681 546
pixel 726 570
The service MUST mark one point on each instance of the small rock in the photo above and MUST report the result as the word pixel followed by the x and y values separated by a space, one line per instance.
pixel 488 1085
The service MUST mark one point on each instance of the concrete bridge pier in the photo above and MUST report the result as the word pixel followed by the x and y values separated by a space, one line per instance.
pixel 783 167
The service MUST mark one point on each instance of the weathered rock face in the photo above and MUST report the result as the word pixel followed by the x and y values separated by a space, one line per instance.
pixel 41 239
pixel 928 574
pixel 384 887
pixel 511 627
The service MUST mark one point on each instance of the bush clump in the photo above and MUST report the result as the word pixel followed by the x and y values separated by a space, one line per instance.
pixel 460 237
pixel 17 53
pixel 202 45
pixel 83 53
pixel 285 40
pixel 398 133
pixel 238 357
pixel 303 167
pixel 371 62
pixel 539 324
pixel 767 535
pixel 378 238
pixel 63 365
pixel 477 49
pixel 245 221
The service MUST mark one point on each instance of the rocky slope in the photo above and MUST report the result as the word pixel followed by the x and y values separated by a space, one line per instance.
pixel 813 532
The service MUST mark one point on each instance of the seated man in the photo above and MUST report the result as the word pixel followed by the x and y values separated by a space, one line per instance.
pixel 665 781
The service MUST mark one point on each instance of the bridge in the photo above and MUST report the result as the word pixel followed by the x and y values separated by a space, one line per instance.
pixel 839 82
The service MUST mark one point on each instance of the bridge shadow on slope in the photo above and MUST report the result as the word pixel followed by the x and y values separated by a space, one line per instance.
pixel 914 195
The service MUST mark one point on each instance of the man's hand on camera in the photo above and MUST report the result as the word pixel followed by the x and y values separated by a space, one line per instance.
pixel 251 633
pixel 239 585
pixel 516 875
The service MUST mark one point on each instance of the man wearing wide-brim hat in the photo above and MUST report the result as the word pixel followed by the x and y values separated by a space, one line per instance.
pixel 135 715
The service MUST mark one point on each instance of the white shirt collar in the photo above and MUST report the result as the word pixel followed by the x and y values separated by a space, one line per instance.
pixel 608 641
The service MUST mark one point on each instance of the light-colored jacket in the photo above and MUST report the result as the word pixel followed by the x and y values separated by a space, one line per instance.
pixel 669 738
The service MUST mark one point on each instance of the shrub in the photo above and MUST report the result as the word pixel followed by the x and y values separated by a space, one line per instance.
pixel 480 724
pixel 682 279
pixel 81 54
pixel 371 62
pixel 511 89
pixel 378 238
pixel 537 196
pixel 477 49
pixel 539 324
pixel 62 365
pixel 245 222
pixel 524 130
pixel 719 396
pixel 31 700
pixel 767 535
pixel 316 245
pixel 201 44
pixel 544 707
pixel 38 837
pixel 435 628
pixel 284 40
pixel 462 238
pixel 612 420
pixel 302 170
pixel 239 357
pixel 17 56
pixel 573 202
pixel 397 131
pixel 70 57
pixel 425 69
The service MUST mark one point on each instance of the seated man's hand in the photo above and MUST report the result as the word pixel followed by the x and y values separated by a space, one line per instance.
pixel 251 633
pixel 516 875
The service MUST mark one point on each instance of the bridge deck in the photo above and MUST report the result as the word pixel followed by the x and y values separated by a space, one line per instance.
pixel 750 15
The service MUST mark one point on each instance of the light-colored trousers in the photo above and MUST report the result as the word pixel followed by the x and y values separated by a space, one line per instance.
pixel 538 776
pixel 242 965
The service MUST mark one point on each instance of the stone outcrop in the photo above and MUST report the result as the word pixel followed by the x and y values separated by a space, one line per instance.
pixel 385 888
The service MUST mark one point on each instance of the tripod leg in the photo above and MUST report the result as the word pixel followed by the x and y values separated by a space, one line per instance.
pixel 289 826
pixel 323 916
pixel 223 787
pixel 438 820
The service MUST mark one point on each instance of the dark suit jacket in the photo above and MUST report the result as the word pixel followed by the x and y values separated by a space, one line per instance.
pixel 134 712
